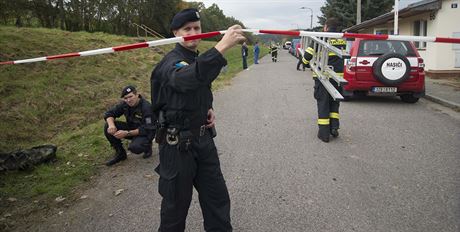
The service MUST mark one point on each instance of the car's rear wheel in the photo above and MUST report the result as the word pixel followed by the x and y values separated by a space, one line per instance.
pixel 391 69
pixel 409 98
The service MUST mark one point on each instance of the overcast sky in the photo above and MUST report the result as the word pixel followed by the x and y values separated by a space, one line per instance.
pixel 275 14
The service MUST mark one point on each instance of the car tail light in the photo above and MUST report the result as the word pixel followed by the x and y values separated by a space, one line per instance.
pixel 421 65
pixel 351 66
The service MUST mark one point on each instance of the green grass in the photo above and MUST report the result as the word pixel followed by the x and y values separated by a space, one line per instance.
pixel 79 154
pixel 41 100
pixel 235 64
pixel 62 102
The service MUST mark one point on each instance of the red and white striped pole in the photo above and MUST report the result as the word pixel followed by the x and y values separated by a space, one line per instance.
pixel 364 36
pixel 117 48
pixel 216 33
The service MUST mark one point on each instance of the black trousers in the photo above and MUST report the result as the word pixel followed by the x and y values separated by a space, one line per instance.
pixel 245 62
pixel 139 144
pixel 180 171
pixel 274 56
pixel 300 62
pixel 327 106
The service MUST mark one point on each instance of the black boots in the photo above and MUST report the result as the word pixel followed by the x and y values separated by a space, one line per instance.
pixel 325 130
pixel 120 155
pixel 148 153
pixel 323 133
pixel 335 132
pixel 335 127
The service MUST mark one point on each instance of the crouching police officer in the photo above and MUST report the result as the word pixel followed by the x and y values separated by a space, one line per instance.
pixel 328 108
pixel 182 100
pixel 139 127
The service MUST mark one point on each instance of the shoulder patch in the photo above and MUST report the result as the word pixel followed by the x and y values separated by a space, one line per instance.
pixel 181 64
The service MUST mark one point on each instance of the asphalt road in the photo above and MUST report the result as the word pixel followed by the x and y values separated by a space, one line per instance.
pixel 395 166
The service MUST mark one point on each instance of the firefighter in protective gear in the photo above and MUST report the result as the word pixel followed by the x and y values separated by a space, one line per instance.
pixel 274 52
pixel 328 108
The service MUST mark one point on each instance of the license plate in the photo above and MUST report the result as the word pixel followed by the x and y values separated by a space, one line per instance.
pixel 384 89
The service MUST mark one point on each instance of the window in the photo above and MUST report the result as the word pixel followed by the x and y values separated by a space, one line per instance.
pixel 420 29
pixel 383 31
pixel 379 47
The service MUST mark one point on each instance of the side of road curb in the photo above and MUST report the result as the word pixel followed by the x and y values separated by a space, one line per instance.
pixel 443 102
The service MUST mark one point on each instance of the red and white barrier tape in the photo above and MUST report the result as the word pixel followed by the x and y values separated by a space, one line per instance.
pixel 216 33
pixel 118 48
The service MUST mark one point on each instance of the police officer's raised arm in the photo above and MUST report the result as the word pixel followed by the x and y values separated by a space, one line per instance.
pixel 232 37
pixel 184 77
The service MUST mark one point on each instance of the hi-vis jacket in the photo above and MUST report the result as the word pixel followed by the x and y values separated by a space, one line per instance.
pixel 334 61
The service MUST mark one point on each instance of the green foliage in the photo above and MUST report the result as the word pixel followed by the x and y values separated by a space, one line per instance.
pixel 214 19
pixel 110 16
pixel 78 154
pixel 345 11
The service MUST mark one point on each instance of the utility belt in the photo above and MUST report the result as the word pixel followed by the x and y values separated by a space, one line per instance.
pixel 176 135
pixel 182 138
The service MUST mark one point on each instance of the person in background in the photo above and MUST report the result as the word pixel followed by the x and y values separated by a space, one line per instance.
pixel 274 52
pixel 328 108
pixel 244 54
pixel 300 58
pixel 256 53
pixel 138 127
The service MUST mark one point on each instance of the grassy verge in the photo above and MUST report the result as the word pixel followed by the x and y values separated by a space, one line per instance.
pixel 62 102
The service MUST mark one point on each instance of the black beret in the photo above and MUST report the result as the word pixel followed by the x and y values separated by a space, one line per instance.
pixel 183 17
pixel 127 89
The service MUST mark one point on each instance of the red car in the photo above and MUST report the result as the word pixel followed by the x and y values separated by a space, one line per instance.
pixel 384 67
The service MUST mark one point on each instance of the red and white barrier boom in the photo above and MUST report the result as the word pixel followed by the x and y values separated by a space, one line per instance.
pixel 216 33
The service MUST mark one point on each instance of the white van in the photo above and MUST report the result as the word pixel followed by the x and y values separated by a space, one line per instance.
pixel 287 45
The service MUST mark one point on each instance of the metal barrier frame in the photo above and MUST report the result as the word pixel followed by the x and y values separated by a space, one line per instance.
pixel 319 63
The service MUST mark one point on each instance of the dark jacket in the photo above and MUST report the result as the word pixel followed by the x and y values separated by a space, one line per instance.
pixel 334 60
pixel 137 117
pixel 244 51
pixel 181 85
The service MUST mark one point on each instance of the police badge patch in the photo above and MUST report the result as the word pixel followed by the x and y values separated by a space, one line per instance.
pixel 181 64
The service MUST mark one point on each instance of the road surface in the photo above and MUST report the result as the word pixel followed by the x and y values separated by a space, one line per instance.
pixel 395 166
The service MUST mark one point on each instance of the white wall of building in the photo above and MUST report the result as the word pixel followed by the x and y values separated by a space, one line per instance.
pixel 437 56
pixel 447 21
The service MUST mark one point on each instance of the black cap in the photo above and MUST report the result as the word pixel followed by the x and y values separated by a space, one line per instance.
pixel 127 89
pixel 183 17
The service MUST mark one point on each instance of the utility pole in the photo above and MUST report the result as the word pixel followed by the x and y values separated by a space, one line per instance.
pixel 395 29
pixel 311 16
pixel 358 12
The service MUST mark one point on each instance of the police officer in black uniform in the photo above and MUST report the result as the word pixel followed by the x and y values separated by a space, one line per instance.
pixel 182 101
pixel 328 108
pixel 139 125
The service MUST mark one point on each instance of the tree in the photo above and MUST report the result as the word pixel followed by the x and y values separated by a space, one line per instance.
pixel 345 10
pixel 111 16
pixel 14 11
